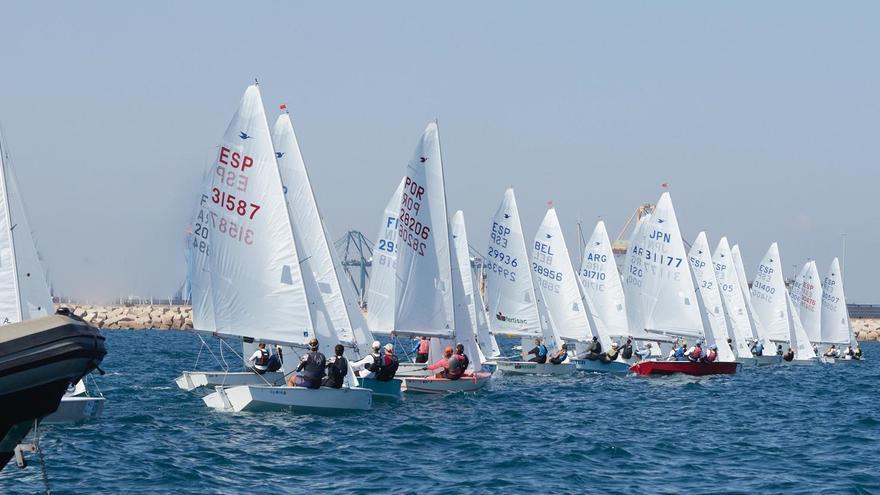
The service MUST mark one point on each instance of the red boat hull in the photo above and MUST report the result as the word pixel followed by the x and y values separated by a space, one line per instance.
pixel 686 367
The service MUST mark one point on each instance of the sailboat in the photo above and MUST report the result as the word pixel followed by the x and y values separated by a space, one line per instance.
pixel 836 328
pixel 603 287
pixel 24 291
pixel 430 289
pixel 806 294
pixel 775 311
pixel 664 299
pixel 260 286
pixel 715 325
pixel 742 329
pixel 512 300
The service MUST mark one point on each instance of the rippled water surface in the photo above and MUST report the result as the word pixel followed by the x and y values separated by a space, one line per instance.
pixel 783 429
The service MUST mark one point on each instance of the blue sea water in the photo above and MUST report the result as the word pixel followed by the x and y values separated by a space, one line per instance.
pixel 777 430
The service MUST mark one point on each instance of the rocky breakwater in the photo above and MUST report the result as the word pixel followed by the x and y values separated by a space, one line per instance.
pixel 137 317
pixel 866 328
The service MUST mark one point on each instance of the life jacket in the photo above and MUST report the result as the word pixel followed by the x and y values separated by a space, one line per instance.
pixel 711 356
pixel 542 350
pixel 387 367
pixel 457 365
pixel 263 360
pixel 679 352
pixel 858 353
pixel 315 364
pixel 696 354
pixel 612 353
pixel 424 346
pixel 627 351
pixel 759 349
pixel 336 372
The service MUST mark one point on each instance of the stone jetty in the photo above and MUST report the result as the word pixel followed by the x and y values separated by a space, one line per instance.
pixel 866 328
pixel 134 316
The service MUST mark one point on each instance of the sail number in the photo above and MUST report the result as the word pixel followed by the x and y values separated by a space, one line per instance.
pixel 506 273
pixel 503 258
pixel 222 225
pixel 409 229
pixel 543 270
pixel 234 205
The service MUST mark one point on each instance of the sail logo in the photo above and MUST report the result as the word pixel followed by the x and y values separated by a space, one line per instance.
pixel 279 154
pixel 244 135
pixel 423 159
pixel 502 317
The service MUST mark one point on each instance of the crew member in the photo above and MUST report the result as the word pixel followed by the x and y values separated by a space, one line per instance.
pixel 611 354
pixel 422 350
pixel 442 364
pixel 363 366
pixel 789 354
pixel 560 355
pixel 627 351
pixel 259 360
pixel 712 355
pixel 540 352
pixel 312 368
pixel 337 369
pixel 458 363
pixel 757 348
pixel 695 353
pixel 386 366
pixel 593 350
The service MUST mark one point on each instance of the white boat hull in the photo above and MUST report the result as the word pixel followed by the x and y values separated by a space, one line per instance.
pixel 412 369
pixel 831 360
pixel 801 362
pixel 75 409
pixel 436 385
pixel 529 368
pixel 191 380
pixel 749 362
pixel 597 366
pixel 259 398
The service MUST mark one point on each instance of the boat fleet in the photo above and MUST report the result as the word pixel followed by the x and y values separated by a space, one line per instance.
pixel 262 269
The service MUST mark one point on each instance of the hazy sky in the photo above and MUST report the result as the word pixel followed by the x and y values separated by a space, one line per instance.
pixel 764 118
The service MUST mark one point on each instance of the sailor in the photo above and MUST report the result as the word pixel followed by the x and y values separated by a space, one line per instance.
pixel 779 351
pixel 540 352
pixel 259 360
pixel 831 351
pixel 789 354
pixel 712 355
pixel 815 349
pixel 458 363
pixel 695 353
pixel 275 360
pixel 386 366
pixel 848 354
pixel 644 352
pixel 422 349
pixel 337 369
pixel 443 363
pixel 363 366
pixel 611 354
pixel 678 351
pixel 560 355
pixel 857 354
pixel 757 348
pixel 593 350
pixel 627 351
pixel 312 368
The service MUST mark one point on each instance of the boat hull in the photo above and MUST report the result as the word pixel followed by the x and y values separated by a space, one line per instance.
pixel 39 359
pixel 530 368
pixel 383 390
pixel 596 366
pixel 801 362
pixel 260 398
pixel 191 380
pixel 750 362
pixel 437 385
pixel 412 369
pixel 76 410
pixel 684 367
pixel 831 360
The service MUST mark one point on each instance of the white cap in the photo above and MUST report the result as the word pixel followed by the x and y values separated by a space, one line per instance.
pixel 389 347
pixel 376 344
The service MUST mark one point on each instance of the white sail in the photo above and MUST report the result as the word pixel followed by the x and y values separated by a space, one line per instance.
pixel 634 271
pixel 736 255
pixel 382 291
pixel 768 296
pixel 662 282
pixel 602 285
pixel 510 291
pixel 24 293
pixel 797 336
pixel 835 317
pixel 806 293
pixel 314 243
pixel 734 300
pixel 424 292
pixel 707 285
pixel 485 339
pixel 256 283
pixel 464 318
pixel 558 283
pixel 476 310
pixel 198 262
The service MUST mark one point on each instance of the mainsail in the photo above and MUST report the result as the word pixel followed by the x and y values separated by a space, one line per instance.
pixel 424 291
pixel 558 283
pixel 382 291
pixel 257 287
pixel 659 276
pixel 797 336
pixel 602 285
pixel 736 255
pixel 510 292
pixel 806 294
pixel 474 302
pixel 768 296
pixel 716 331
pixel 835 317
pixel 345 318
pixel 733 296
